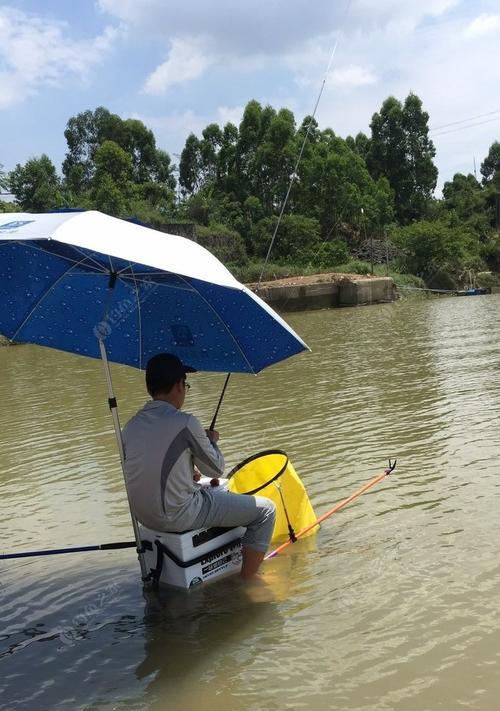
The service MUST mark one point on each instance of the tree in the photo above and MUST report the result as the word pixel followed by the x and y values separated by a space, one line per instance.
pixel 88 130
pixel 334 186
pixel 228 178
pixel 400 149
pixel 226 244
pixel 296 239
pixel 209 152
pixel 490 169
pixel 35 185
pixel 491 164
pixel 274 159
pixel 360 144
pixel 4 181
pixel 436 249
pixel 190 176
pixel 464 198
pixel 111 185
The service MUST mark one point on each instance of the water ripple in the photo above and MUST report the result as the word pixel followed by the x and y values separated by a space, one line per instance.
pixel 392 604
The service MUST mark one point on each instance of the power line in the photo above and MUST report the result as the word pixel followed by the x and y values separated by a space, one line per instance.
pixel 461 128
pixel 455 123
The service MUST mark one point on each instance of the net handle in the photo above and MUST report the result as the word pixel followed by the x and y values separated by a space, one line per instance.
pixel 264 453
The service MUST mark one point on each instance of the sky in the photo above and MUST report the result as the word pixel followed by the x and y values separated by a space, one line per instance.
pixel 180 64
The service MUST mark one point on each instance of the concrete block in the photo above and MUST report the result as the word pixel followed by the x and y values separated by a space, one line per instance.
pixel 366 291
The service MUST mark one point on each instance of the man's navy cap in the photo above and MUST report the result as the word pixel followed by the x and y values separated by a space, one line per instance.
pixel 168 366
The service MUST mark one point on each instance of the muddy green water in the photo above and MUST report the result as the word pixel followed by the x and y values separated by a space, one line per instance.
pixel 395 603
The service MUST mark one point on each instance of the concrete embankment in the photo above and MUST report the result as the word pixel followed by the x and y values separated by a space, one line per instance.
pixel 325 291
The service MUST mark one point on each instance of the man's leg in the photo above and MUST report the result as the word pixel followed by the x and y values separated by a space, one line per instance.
pixel 256 513
pixel 251 562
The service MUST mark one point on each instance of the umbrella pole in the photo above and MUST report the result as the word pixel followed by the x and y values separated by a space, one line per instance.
pixel 113 406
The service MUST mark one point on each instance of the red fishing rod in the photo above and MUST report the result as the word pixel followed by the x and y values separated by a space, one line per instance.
pixel 336 508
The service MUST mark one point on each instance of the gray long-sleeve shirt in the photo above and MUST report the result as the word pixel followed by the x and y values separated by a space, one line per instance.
pixel 162 445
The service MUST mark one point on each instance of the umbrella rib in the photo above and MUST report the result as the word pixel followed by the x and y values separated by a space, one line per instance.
pixel 139 319
pixel 102 270
pixel 190 287
pixel 122 274
pixel 223 323
pixel 125 277
pixel 33 245
pixel 44 296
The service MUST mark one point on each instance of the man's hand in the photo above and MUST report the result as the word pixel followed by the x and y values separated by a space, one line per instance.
pixel 212 435
pixel 196 474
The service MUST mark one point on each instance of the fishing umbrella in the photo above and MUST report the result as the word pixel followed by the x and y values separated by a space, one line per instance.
pixel 91 284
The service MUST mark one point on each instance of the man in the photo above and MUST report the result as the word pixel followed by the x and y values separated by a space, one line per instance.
pixel 163 445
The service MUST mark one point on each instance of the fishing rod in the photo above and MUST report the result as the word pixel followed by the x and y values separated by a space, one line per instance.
pixel 336 508
pixel 78 549
pixel 294 176
pixel 212 425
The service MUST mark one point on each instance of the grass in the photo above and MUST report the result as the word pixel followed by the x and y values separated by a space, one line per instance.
pixel 274 270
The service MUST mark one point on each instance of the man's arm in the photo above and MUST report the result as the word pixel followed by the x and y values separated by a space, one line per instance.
pixel 206 454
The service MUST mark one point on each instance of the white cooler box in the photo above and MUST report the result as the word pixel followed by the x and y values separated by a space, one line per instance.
pixel 193 557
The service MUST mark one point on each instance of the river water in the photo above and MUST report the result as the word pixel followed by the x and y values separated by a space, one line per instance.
pixel 394 604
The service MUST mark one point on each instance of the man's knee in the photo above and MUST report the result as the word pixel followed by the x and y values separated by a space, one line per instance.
pixel 267 509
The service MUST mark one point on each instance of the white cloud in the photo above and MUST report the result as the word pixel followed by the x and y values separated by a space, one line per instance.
pixel 35 52
pixel 352 75
pixel 171 130
pixel 227 114
pixel 482 25
pixel 187 60
pixel 396 15
pixel 202 34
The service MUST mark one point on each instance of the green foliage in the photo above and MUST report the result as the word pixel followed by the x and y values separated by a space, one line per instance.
pixel 401 150
pixel 226 244
pixel 250 273
pixel 114 165
pixel 491 164
pixel 296 238
pixel 488 279
pixel 326 255
pixel 35 185
pixel 234 179
pixel 4 181
pixel 9 207
pixel 490 252
pixel 437 251
pixel 360 144
pixel 335 188
pixel 354 266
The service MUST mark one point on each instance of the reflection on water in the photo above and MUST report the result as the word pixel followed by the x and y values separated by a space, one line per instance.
pixel 393 604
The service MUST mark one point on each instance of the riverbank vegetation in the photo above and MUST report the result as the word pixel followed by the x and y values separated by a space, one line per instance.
pixel 353 203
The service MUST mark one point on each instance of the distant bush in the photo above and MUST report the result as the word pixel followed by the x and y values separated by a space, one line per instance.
pixel 224 243
pixel 9 207
pixel 490 252
pixel 297 237
pixel 250 273
pixel 488 279
pixel 442 279
pixel 326 255
pixel 354 266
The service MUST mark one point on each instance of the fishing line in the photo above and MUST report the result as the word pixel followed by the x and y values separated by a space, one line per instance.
pixel 293 176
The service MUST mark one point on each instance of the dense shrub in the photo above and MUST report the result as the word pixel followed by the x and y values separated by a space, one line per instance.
pixel 327 255
pixel 226 244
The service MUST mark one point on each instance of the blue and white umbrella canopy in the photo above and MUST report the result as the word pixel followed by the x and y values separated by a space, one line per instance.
pixel 169 294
